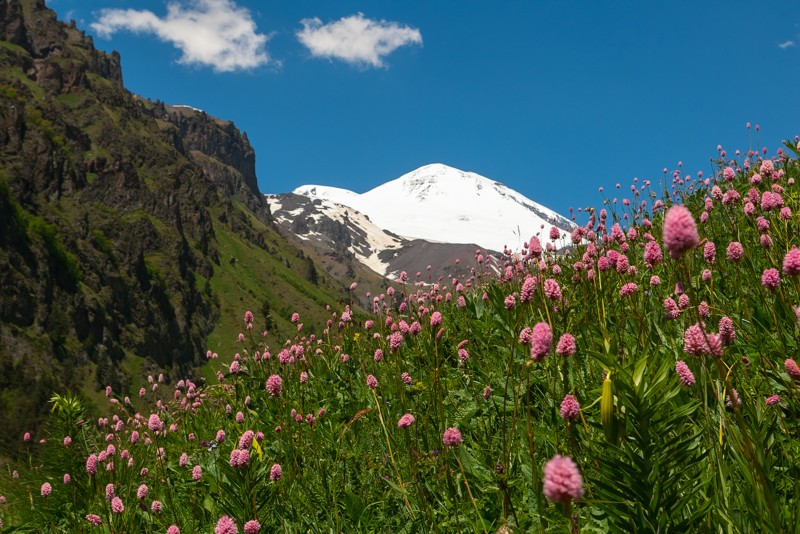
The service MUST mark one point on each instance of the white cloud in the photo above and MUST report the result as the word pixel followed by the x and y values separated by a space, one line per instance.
pixel 356 39
pixel 786 44
pixel 215 33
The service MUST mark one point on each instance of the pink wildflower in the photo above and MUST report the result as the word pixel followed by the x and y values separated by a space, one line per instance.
pixel 197 473
pixel 772 400
pixel 47 489
pixel 225 525
pixel 684 373
pixel 116 505
pixel 652 254
pixel 726 331
pixel 628 289
pixel 792 369
pixel 173 529
pixel 247 439
pixel 534 247
pixel 91 465
pixel 622 264
pixel 526 336
pixel 791 262
pixel 528 287
pixel 771 279
pixel 680 231
pixel 239 457
pixel 372 382
pixel 452 437
pixel 735 251
pixel 94 519
pixel 406 421
pixel 570 409
pixel 274 385
pixel 552 289
pixel 566 345
pixel 436 319
pixel 562 480
pixel 395 341
pixel 276 472
pixel 733 397
pixel 542 339
pixel 154 422
pixel 253 526
pixel 771 201
pixel 142 492
pixel 694 341
pixel 710 252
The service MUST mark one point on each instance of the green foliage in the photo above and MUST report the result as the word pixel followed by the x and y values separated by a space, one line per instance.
pixel 657 451
pixel 66 263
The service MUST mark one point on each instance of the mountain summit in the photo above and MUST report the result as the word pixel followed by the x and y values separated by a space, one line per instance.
pixel 443 204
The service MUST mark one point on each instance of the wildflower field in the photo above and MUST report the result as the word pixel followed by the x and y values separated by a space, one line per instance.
pixel 637 376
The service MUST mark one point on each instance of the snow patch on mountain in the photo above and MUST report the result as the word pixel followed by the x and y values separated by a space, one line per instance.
pixel 340 225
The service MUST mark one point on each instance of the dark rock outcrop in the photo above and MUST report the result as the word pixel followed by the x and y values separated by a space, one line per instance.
pixel 109 208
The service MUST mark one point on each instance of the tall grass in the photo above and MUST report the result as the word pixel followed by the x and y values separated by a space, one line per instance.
pixel 313 435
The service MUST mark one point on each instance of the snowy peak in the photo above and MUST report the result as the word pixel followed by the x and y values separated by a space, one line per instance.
pixel 431 181
pixel 443 204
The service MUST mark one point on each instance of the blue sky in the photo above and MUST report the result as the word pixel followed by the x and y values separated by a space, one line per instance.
pixel 554 99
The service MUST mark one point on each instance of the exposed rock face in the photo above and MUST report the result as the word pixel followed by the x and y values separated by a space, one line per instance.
pixel 109 205
pixel 343 236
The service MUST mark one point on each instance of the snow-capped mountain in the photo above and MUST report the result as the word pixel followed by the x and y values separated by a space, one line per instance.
pixel 341 235
pixel 442 204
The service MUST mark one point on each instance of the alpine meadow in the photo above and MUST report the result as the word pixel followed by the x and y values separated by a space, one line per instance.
pixel 187 373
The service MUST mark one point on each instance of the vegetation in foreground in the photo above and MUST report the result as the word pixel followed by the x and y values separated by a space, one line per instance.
pixel 642 382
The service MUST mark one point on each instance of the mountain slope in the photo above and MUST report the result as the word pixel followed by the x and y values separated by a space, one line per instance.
pixel 344 238
pixel 131 232
pixel 442 204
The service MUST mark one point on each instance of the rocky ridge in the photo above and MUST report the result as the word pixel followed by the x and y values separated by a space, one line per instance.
pixel 129 229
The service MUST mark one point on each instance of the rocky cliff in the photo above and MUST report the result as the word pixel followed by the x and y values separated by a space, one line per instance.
pixel 113 215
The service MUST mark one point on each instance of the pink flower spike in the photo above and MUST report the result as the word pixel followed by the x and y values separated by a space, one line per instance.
pixel 680 231
pixel 791 262
pixel 570 408
pixel 542 339
pixel 684 373
pixel 405 421
pixel 771 279
pixel 226 525
pixel 566 345
pixel 452 437
pixel 562 480
pixel 792 369
pixel 276 472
